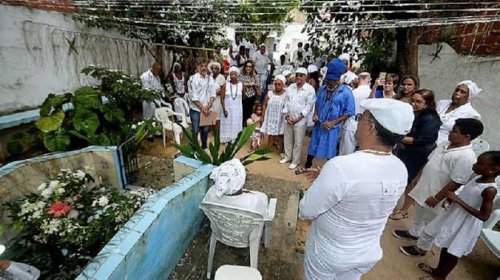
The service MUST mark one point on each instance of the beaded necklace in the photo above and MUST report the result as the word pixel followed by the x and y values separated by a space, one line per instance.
pixel 231 91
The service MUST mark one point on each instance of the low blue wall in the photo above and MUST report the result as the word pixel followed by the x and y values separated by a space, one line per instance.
pixel 153 241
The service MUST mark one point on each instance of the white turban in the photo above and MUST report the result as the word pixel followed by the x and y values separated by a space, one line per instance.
pixel 474 90
pixel 312 68
pixel 217 64
pixel 281 78
pixel 234 69
pixel 344 56
pixel 348 77
pixel 286 72
pixel 177 64
pixel 229 177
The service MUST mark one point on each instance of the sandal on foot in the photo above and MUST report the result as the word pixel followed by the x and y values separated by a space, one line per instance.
pixel 424 267
pixel 428 277
pixel 398 215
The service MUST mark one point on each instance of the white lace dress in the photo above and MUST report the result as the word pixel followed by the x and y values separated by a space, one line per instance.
pixel 233 124
pixel 455 228
pixel 273 119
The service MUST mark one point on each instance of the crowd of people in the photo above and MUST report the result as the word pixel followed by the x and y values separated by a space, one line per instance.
pixel 407 143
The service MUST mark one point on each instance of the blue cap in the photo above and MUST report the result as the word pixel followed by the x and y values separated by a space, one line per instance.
pixel 336 68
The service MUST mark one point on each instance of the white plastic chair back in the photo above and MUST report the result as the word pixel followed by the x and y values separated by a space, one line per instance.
pixel 480 146
pixel 182 107
pixel 233 227
pixel 165 116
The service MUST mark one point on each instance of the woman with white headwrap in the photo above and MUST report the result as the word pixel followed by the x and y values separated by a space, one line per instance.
pixel 179 85
pixel 228 191
pixel 231 122
pixel 273 116
pixel 457 107
pixel 220 80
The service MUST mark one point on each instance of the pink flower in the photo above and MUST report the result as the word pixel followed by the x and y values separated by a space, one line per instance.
pixel 58 209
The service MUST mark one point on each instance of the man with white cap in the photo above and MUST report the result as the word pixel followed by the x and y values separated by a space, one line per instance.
pixel 459 106
pixel 228 191
pixel 362 92
pixel 261 60
pixel 299 101
pixel 350 205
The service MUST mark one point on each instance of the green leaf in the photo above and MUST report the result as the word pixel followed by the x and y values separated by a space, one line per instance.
pixel 56 140
pixel 51 122
pixel 46 105
pixel 214 153
pixel 79 135
pixel 85 121
pixel 87 97
pixel 113 114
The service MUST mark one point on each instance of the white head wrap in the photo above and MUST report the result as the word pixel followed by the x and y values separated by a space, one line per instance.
pixel 312 68
pixel 348 77
pixel 344 56
pixel 474 90
pixel 177 64
pixel 229 177
pixel 392 114
pixel 286 72
pixel 234 69
pixel 217 64
pixel 281 78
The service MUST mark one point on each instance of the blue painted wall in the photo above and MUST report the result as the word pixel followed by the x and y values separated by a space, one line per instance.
pixel 152 242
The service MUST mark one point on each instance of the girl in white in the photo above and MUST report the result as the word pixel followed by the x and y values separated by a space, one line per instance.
pixel 456 230
pixel 273 116
pixel 232 121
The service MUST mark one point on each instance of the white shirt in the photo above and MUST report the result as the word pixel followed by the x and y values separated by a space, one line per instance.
pixel 308 56
pixel 201 89
pixel 443 166
pixel 448 119
pixel 150 81
pixel 261 61
pixel 299 101
pixel 360 93
pixel 251 201
pixel 349 206
pixel 235 49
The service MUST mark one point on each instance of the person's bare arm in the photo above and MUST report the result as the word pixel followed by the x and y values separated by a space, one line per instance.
pixel 484 212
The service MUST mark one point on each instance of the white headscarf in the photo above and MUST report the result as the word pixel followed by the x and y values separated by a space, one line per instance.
pixel 177 64
pixel 217 64
pixel 281 78
pixel 229 177
pixel 474 90
pixel 234 69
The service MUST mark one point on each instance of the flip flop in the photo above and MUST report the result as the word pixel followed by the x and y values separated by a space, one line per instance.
pixel 398 215
pixel 425 268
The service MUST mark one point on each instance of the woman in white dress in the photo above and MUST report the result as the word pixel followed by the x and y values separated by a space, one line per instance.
pixel 232 121
pixel 273 115
pixel 456 230
pixel 457 107
pixel 220 80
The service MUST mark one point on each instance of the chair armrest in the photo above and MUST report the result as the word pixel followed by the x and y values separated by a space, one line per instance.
pixel 494 218
pixel 271 209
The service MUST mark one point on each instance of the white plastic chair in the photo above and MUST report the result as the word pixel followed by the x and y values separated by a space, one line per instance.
pixel 480 146
pixel 165 116
pixel 231 272
pixel 181 106
pixel 490 236
pixel 238 228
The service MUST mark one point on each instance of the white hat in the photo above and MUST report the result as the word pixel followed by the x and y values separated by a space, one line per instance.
pixel 280 78
pixel 394 115
pixel 2 249
pixel 229 177
pixel 234 69
pixel 301 70
pixel 348 77
pixel 286 72
pixel 262 45
pixel 312 68
pixel 474 90
pixel 344 56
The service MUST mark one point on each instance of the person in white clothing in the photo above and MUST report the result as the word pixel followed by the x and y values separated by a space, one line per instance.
pixel 449 166
pixel 229 179
pixel 261 60
pixel 299 101
pixel 362 92
pixel 231 122
pixel 179 83
pixel 151 80
pixel 349 205
pixel 17 271
pixel 459 106
pixel 202 93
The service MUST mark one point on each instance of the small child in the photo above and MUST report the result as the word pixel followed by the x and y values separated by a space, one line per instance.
pixel 256 117
pixel 457 229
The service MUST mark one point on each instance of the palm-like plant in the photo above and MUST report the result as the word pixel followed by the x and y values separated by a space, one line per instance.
pixel 215 156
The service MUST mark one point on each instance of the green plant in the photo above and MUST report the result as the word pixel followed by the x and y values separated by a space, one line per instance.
pixel 215 156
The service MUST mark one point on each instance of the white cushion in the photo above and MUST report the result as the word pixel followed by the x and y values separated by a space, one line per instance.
pixel 231 272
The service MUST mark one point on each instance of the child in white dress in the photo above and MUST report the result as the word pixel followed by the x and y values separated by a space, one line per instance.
pixel 256 117
pixel 457 229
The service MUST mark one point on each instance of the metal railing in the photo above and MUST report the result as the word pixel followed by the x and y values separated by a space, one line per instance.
pixel 127 153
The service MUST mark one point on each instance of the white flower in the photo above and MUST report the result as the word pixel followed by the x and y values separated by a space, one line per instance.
pixel 42 187
pixel 73 214
pixel 60 191
pixel 53 184
pixel 47 192
pixel 79 174
pixel 103 201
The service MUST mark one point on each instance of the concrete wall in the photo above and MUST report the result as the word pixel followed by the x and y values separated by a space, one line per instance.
pixel 442 74
pixel 153 241
pixel 37 58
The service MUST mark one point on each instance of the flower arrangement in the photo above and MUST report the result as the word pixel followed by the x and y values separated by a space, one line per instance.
pixel 74 213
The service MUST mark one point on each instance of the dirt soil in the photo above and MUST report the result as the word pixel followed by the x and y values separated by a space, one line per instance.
pixel 283 260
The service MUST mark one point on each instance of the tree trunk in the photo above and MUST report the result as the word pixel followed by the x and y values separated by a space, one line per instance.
pixel 407 51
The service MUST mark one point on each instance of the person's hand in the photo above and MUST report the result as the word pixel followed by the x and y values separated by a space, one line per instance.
pixel 446 203
pixel 431 201
pixel 312 174
pixel 452 196
pixel 315 118
pixel 329 124
pixel 380 82
pixel 225 113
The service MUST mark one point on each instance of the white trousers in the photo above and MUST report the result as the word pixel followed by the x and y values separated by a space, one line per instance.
pixel 293 140
pixel 347 142
pixel 314 269
pixel 421 218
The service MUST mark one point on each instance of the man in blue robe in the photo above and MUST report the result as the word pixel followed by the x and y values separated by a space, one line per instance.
pixel 334 104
